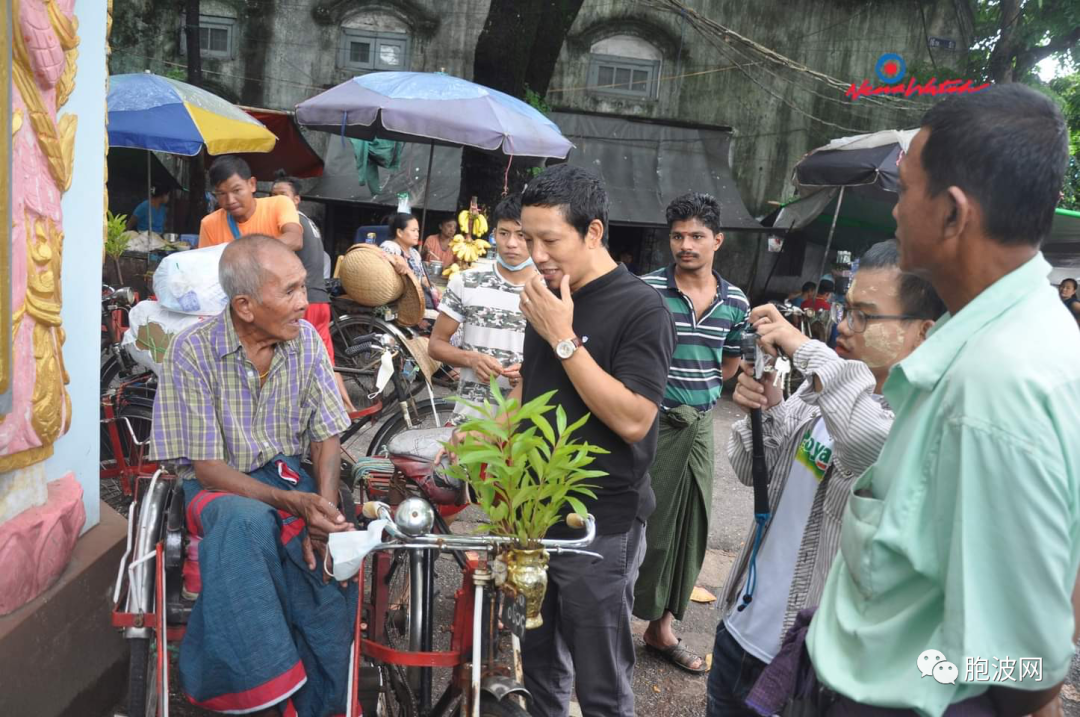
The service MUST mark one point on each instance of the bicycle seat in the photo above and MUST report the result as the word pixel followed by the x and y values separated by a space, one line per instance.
pixel 421 444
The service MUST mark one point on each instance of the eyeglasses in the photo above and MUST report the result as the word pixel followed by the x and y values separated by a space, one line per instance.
pixel 857 319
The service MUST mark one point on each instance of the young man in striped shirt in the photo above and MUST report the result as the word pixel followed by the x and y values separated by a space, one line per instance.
pixel 486 303
pixel 710 314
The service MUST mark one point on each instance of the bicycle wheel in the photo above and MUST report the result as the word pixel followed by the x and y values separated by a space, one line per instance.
pixel 364 367
pixel 507 707
pixel 397 592
pixel 143 678
pixel 396 698
pixel 424 418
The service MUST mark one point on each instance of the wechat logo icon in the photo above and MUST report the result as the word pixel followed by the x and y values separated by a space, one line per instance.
pixel 932 663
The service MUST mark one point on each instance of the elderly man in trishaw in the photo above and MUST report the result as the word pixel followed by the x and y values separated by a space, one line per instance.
pixel 242 396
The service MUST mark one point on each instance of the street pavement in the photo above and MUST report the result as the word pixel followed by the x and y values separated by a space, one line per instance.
pixel 661 689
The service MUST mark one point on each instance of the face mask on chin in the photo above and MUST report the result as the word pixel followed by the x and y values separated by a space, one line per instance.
pixel 509 267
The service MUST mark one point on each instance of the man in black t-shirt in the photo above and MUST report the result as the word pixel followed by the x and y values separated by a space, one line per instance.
pixel 602 339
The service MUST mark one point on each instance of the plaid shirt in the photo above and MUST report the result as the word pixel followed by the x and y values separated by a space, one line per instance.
pixel 210 406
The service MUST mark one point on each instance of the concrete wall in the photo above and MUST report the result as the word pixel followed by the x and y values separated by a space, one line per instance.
pixel 837 37
pixel 287 52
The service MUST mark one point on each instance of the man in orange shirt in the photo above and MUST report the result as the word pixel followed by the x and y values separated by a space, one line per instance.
pixel 241 213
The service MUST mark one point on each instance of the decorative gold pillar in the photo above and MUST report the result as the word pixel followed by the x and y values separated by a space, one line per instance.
pixel 45 54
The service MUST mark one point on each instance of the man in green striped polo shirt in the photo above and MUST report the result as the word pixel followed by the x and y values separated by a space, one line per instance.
pixel 710 315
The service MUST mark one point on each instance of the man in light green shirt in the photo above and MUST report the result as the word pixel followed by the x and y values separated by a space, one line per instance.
pixel 964 536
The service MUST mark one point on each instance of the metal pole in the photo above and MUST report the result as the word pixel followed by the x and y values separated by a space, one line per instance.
pixel 427 190
pixel 149 197
pixel 828 242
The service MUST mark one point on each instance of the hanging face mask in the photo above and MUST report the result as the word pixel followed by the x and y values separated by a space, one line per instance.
pixel 509 267
pixel 386 370
pixel 349 549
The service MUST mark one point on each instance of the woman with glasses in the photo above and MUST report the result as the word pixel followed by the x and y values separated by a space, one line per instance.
pixel 817 442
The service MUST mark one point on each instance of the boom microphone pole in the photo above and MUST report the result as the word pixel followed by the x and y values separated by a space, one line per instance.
pixel 759 469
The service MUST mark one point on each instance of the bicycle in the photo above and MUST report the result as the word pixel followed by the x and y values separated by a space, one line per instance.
pixel 127 415
pixel 481 684
pixel 149 605
pixel 349 323
pixel 401 408
pixel 115 307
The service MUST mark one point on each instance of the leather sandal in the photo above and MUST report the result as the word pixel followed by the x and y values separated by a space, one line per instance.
pixel 679 656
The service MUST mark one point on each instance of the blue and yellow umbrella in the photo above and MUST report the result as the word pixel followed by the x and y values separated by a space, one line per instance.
pixel 157 113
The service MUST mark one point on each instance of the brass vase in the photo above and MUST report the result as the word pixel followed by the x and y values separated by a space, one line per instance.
pixel 527 573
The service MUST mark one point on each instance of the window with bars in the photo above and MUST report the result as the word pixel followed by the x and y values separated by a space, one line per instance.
pixel 369 51
pixel 625 76
pixel 217 37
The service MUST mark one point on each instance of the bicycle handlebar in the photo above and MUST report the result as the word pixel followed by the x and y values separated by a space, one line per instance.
pixel 357 349
pixel 375 509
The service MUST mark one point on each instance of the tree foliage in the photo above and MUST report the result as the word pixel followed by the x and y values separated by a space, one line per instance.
pixel 1066 91
pixel 1013 36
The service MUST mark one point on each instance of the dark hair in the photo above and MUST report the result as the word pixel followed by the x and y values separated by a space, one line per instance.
pixel 508 209
pixel 158 191
pixel 226 166
pixel 579 193
pixel 825 287
pixel 809 286
pixel 1007 147
pixel 447 218
pixel 695 205
pixel 280 177
pixel 1072 281
pixel 917 296
pixel 398 221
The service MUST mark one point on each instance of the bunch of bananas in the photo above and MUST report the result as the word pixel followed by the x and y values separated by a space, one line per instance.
pixel 451 270
pixel 468 251
pixel 479 223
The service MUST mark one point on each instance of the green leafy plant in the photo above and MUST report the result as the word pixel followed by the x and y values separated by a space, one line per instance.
pixel 524 471
pixel 116 239
pixel 536 100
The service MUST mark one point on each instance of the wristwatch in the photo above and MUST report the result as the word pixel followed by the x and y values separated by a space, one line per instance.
pixel 566 348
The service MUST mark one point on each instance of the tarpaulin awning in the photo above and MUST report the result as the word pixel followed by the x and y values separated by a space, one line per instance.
pixel 644 165
pixel 1062 247
pixel 292 152
pixel 647 164
pixel 340 180
pixel 864 222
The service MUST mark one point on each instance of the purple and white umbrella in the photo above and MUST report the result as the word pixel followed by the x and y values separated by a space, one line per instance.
pixel 433 107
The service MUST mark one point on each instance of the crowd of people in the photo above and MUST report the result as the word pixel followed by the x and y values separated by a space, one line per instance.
pixel 922 484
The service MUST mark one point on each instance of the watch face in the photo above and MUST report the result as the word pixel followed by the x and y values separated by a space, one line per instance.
pixel 564 349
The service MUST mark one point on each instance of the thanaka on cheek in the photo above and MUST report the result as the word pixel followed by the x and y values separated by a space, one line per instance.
pixel 882 343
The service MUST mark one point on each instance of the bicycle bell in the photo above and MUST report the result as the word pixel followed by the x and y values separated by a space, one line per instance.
pixel 414 516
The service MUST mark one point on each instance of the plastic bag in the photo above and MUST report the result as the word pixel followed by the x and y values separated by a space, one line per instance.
pixel 187 282
pixel 152 329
